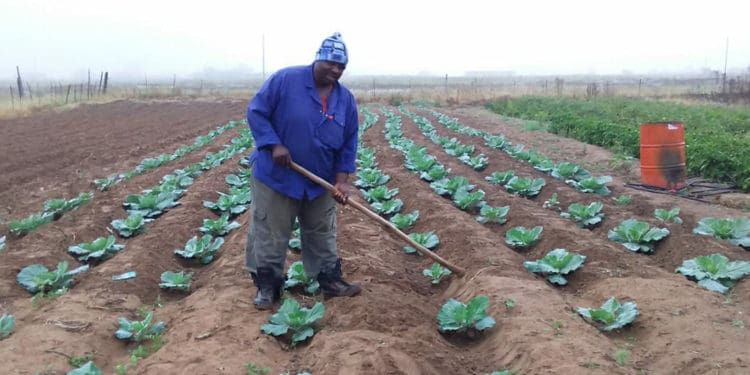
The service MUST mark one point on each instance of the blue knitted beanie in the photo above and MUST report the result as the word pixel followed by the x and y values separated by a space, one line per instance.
pixel 333 49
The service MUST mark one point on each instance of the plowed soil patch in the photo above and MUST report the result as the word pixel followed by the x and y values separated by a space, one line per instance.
pixel 391 328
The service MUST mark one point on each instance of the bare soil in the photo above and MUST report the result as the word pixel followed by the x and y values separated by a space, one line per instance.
pixel 391 328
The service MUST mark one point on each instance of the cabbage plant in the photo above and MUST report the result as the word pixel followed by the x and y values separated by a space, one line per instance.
pixel 233 203
pixel 176 280
pixel 365 153
pixel 103 184
pixel 177 181
pixel 220 226
pixel 623 200
pixel 29 224
pixel 370 178
pixel 36 278
pixel 80 200
pixel 192 170
pixel 451 185
pixel 428 240
pixel 514 150
pixel 388 207
pixel 203 250
pixel 7 323
pixel 88 368
pixel 458 316
pixel 494 215
pixel 527 155
pixel 437 172
pixel 295 241
pixel 464 199
pixel 98 249
pixel 478 163
pixel 139 330
pixel 525 187
pixel 459 150
pixel 295 319
pixel 133 225
pixel 404 221
pixel 596 185
pixel 736 231
pixel 521 237
pixel 366 158
pixel 714 272
pixel 242 179
pixel 56 207
pixel 611 315
pixel 213 160
pixel 637 235
pixel 543 164
pixel 668 216
pixel 555 265
pixel 585 216
pixel 151 204
pixel 296 276
pixel 419 161
pixel 496 141
pixel 551 202
pixel 379 194
pixel 436 273
pixel 569 171
pixel 500 178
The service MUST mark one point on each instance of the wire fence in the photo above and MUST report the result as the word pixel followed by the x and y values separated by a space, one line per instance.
pixel 22 95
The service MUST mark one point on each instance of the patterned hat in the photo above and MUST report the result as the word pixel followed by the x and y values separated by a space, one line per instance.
pixel 333 49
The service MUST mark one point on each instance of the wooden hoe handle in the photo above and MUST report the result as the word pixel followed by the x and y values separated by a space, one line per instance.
pixel 372 215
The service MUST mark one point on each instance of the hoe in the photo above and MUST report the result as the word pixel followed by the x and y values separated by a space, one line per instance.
pixel 458 270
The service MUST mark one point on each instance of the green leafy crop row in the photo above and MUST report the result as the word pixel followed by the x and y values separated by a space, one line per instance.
pixel 716 137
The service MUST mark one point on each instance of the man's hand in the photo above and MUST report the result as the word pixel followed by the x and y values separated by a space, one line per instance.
pixel 342 192
pixel 342 188
pixel 281 155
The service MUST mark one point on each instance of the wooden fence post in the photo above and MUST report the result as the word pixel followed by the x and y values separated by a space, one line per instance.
pixel 67 95
pixel 88 86
pixel 101 77
pixel 12 99
pixel 28 88
pixel 106 78
pixel 19 82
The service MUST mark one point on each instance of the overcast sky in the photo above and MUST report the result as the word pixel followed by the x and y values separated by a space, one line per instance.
pixel 62 38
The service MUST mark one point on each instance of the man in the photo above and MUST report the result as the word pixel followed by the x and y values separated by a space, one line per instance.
pixel 304 114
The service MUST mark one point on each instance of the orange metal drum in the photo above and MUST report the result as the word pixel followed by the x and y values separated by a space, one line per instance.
pixel 663 155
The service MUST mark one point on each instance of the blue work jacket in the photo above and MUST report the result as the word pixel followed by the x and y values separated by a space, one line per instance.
pixel 288 111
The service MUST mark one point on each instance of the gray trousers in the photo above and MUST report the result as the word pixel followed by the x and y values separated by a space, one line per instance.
pixel 271 225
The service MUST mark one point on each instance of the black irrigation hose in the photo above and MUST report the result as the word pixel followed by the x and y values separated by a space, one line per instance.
pixel 657 190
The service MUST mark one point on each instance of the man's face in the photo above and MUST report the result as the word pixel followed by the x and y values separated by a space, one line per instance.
pixel 328 72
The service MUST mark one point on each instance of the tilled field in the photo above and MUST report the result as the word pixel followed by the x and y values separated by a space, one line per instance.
pixel 391 328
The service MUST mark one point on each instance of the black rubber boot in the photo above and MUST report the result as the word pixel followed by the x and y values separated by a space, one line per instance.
pixel 269 288
pixel 332 285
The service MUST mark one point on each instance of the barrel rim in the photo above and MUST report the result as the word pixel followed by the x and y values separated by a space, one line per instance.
pixel 663 123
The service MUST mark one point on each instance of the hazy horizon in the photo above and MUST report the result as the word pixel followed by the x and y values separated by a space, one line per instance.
pixel 139 40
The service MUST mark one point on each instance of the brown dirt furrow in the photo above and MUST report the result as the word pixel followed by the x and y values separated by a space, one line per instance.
pixel 59 154
pixel 391 328
pixel 48 245
pixel 675 312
